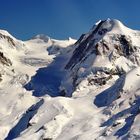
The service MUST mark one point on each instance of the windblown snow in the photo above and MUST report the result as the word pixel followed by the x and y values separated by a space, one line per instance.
pixel 87 89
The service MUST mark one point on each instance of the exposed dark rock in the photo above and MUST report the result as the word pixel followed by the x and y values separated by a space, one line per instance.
pixel 128 48
pixel 63 93
pixel 103 31
pixel 119 49
pixel 4 60
pixel 9 39
pixel 83 47
pixel 80 39
pixel 47 139
pixel 0 77
pixel 99 80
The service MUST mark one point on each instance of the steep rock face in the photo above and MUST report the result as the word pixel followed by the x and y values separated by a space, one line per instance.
pixel 83 46
pixel 10 47
pixel 109 48
pixel 4 60
pixel 9 40
pixel 106 65
pixel 102 40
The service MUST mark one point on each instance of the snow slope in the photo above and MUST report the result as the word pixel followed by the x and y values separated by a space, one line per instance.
pixel 71 90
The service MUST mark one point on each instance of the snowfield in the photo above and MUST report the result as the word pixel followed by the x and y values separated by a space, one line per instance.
pixel 87 89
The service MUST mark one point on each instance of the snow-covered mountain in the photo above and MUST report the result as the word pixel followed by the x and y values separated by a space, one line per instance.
pixel 87 89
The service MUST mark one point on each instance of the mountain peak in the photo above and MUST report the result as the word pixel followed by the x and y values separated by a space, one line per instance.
pixel 6 33
pixel 43 37
pixel 109 25
pixel 107 37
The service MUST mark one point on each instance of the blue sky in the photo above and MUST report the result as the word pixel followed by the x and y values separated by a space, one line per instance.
pixel 63 18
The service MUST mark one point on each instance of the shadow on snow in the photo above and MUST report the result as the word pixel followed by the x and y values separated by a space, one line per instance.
pixel 48 80
pixel 23 123
pixel 109 95
pixel 133 110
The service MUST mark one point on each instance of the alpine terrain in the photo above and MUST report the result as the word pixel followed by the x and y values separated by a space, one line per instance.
pixel 87 89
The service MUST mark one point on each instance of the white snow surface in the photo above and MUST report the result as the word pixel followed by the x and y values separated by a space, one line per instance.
pixel 31 105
